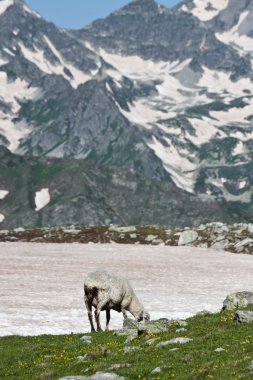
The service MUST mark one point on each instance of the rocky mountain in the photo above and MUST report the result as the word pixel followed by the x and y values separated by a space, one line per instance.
pixel 161 96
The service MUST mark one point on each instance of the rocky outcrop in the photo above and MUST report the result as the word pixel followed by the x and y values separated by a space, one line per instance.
pixel 238 300
pixel 237 238
pixel 244 316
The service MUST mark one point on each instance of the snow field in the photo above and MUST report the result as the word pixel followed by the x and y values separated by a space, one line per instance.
pixel 42 284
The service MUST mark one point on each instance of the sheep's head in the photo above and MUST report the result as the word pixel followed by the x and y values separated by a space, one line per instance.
pixel 143 316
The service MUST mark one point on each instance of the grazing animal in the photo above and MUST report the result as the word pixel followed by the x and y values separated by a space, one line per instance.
pixel 105 291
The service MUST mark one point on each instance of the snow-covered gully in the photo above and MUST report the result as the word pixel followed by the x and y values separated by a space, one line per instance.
pixel 42 284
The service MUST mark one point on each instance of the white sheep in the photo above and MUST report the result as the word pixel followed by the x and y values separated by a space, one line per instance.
pixel 105 291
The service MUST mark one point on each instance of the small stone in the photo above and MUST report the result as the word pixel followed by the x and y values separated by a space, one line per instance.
pixel 187 237
pixel 179 340
pixel 158 242
pixel 86 339
pixel 150 238
pixel 244 316
pixel 42 365
pixel 97 376
pixel 181 322
pixel 220 245
pixel 82 359
pixel 250 228
pixel 219 349
pixel 156 370
pixel 120 365
pixel 123 229
pixel 182 329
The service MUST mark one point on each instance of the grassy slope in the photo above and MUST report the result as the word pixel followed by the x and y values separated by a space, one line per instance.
pixel 50 357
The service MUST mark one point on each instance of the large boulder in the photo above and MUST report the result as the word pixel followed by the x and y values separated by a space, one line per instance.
pixel 244 316
pixel 150 327
pixel 187 237
pixel 238 300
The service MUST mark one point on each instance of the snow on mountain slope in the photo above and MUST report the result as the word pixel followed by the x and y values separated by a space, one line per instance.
pixel 205 10
pixel 5 4
pixel 238 40
pixel 12 92
pixel 67 70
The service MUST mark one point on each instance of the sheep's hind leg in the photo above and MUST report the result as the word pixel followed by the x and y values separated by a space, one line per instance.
pixel 124 313
pixel 108 317
pixel 88 305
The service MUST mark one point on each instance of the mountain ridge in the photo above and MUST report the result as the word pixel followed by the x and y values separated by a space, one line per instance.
pixel 164 93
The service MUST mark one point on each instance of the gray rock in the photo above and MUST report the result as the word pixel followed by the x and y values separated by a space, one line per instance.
pixel 244 243
pixel 131 337
pixel 181 330
pixel 179 340
pixel 187 237
pixel 220 245
pixel 150 238
pixel 181 322
pixel 238 300
pixel 122 229
pixel 244 316
pixel 156 370
pixel 219 349
pixel 86 339
pixel 155 327
pixel 97 376
pixel 158 242
pixel 120 365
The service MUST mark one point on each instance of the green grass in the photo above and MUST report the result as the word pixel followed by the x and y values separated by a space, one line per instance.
pixel 50 357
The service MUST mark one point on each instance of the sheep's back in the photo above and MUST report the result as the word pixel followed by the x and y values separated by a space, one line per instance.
pixel 116 288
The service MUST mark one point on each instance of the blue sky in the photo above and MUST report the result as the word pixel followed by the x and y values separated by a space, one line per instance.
pixel 75 14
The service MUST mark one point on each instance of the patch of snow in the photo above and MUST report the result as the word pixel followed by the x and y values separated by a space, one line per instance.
pixel 28 10
pixel 3 61
pixel 176 163
pixel 204 130
pixel 143 114
pixel 206 10
pixel 232 36
pixel 15 32
pixel 220 83
pixel 37 57
pixel 2 217
pixel 53 279
pixel 79 76
pixel 239 149
pixel 42 198
pixel 5 4
pixel 3 193
pixel 233 115
pixel 242 184
pixel 9 52
pixel 13 93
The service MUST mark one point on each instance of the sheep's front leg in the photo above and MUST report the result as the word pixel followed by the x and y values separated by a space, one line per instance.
pixel 108 317
pixel 97 318
pixel 88 305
